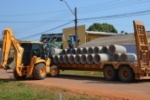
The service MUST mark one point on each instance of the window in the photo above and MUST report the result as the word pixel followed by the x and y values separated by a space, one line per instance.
pixel 36 50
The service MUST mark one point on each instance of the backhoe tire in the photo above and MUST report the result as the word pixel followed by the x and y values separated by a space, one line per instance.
pixel 17 77
pixel 110 74
pixel 39 71
pixel 54 71
pixel 126 74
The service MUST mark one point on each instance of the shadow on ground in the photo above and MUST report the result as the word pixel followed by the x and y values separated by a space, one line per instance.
pixel 96 79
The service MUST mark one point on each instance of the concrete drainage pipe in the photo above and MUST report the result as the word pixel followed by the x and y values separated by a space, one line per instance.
pixel 77 59
pixel 71 59
pixel 79 51
pixel 57 58
pixel 90 50
pixel 97 49
pixel 90 58
pixel 61 59
pixel 116 57
pixel 55 51
pixel 75 49
pixel 65 59
pixel 128 57
pixel 64 51
pixel 104 49
pixel 83 58
pixel 116 49
pixel 54 58
pixel 101 57
pixel 85 50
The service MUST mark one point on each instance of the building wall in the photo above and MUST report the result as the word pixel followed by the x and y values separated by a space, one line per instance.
pixel 71 30
pixel 90 37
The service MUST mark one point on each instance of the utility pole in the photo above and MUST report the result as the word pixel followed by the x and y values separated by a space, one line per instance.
pixel 75 14
pixel 76 42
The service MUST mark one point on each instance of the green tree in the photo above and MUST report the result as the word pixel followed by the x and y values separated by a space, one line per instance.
pixel 104 27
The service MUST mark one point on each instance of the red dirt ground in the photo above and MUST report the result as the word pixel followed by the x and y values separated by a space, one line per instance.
pixel 139 90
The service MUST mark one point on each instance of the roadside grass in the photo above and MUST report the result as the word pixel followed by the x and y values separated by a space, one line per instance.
pixel 14 90
pixel 84 73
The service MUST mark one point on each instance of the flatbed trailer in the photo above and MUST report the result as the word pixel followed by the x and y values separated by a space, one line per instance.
pixel 125 71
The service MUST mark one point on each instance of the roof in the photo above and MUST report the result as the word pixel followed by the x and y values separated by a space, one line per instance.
pixel 31 42
pixel 118 39
pixel 50 34
pixel 101 33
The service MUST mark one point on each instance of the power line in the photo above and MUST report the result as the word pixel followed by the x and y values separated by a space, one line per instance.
pixel 46 30
pixel 112 6
pixel 42 23
pixel 24 15
pixel 146 12
pixel 32 14
pixel 31 21
pixel 106 5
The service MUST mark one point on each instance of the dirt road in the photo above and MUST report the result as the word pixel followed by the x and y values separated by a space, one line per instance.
pixel 139 90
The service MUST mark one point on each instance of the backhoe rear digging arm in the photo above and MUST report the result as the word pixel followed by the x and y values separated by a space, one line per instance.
pixel 8 41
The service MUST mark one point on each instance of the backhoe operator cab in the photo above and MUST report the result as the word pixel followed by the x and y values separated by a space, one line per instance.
pixel 30 58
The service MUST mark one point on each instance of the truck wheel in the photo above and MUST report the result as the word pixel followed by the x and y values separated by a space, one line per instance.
pixel 110 73
pixel 126 74
pixel 18 77
pixel 54 71
pixel 39 71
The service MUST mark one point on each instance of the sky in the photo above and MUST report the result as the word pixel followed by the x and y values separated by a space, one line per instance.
pixel 31 18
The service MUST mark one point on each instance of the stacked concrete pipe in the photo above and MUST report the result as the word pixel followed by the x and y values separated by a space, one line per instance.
pixel 71 58
pixel 83 58
pixel 97 49
pixel 64 51
pixel 90 50
pixel 77 59
pixel 128 57
pixel 101 57
pixel 85 50
pixel 61 59
pixel 90 58
pixel 116 49
pixel 55 51
pixel 75 49
pixel 55 59
pixel 104 49
pixel 116 57
pixel 65 59
pixel 79 50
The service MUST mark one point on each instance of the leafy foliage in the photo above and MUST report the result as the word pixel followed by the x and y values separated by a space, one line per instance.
pixel 104 27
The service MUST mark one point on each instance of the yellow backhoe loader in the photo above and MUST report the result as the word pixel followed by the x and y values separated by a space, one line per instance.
pixel 30 58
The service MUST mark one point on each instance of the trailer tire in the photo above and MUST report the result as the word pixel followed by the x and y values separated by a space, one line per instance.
pixel 54 71
pixel 39 71
pixel 110 73
pixel 16 76
pixel 126 74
